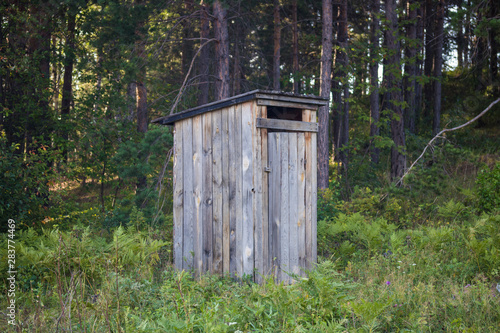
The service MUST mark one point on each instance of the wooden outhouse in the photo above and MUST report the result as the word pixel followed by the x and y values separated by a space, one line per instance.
pixel 245 185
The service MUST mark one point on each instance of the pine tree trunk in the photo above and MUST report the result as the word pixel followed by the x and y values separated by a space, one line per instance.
pixel 398 158
pixel 374 86
pixel 204 56
pixel 295 61
pixel 325 88
pixel 221 51
pixel 277 46
pixel 410 66
pixel 344 106
pixel 438 72
pixel 67 89
pixel 429 59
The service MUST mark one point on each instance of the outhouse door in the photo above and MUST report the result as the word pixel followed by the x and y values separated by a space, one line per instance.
pixel 290 191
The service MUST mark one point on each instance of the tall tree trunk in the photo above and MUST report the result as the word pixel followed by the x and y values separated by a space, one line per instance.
pixel 460 38
pixel 204 55
pixel 438 66
pixel 398 158
pixel 67 89
pixel 277 45
pixel 429 59
pixel 419 62
pixel 295 61
pixel 221 50
pixel 343 133
pixel 410 65
pixel 324 91
pixel 374 87
pixel 141 96
pixel 493 14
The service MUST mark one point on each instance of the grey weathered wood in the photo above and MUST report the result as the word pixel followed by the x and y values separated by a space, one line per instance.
pixel 285 209
pixel 293 203
pixel 267 102
pixel 178 210
pixel 287 125
pixel 248 189
pixel 314 194
pixel 189 207
pixel 235 196
pixel 301 188
pixel 274 202
pixel 251 95
pixel 217 191
pixel 197 193
pixel 306 116
pixel 289 98
pixel 265 198
pixel 207 161
pixel 259 229
pixel 226 146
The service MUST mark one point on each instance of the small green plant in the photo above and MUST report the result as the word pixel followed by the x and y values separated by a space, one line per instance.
pixel 488 188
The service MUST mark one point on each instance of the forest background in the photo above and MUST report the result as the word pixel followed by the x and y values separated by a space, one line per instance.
pixel 88 180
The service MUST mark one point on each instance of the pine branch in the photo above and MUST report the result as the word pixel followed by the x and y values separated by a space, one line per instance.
pixel 439 135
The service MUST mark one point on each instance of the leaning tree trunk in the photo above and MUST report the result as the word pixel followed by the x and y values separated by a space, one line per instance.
pixel 438 72
pixel 325 88
pixel 398 158
pixel 374 87
pixel 221 50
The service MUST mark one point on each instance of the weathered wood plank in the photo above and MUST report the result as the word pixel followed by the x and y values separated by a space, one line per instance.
pixel 285 209
pixel 293 203
pixel 274 156
pixel 289 98
pixel 178 201
pixel 189 207
pixel 235 196
pixel 248 189
pixel 206 215
pixel 258 172
pixel 314 194
pixel 268 102
pixel 301 188
pixel 217 191
pixel 265 199
pixel 226 146
pixel 306 116
pixel 287 125
pixel 197 193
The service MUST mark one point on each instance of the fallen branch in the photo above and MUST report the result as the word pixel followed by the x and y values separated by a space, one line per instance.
pixel 442 132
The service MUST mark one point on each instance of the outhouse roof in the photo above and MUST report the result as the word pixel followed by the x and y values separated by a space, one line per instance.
pixel 263 97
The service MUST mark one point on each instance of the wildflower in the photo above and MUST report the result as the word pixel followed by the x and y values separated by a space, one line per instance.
pixel 398 267
pixel 388 283
pixel 467 286
pixel 498 287
pixel 414 264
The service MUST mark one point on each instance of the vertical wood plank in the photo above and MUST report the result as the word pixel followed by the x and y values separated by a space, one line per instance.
pixel 248 190
pixel 178 196
pixel 274 203
pixel 235 198
pixel 259 234
pixel 306 116
pixel 189 207
pixel 301 188
pixel 217 191
pixel 285 226
pixel 226 146
pixel 207 161
pixel 293 203
pixel 197 193
pixel 314 194
pixel 265 198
